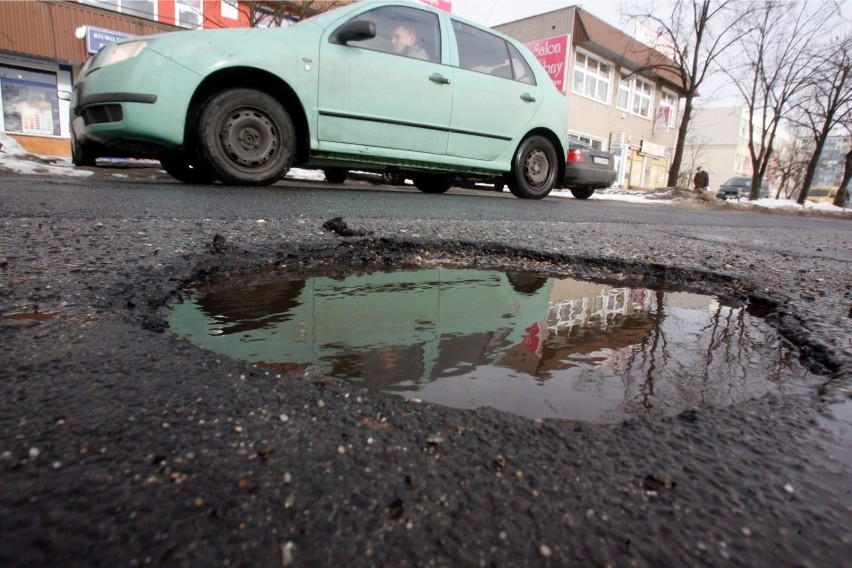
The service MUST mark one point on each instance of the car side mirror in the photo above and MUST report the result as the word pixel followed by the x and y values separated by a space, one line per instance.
pixel 354 30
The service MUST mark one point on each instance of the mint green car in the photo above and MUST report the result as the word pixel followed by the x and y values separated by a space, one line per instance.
pixel 378 86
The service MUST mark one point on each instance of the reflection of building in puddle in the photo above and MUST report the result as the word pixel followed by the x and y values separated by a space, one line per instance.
pixel 465 338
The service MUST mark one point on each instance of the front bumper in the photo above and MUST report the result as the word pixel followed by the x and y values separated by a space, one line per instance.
pixel 138 103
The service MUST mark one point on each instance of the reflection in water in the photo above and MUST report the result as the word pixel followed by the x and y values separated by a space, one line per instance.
pixel 534 346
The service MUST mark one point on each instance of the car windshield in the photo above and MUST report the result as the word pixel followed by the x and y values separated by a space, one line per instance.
pixel 739 181
pixel 819 192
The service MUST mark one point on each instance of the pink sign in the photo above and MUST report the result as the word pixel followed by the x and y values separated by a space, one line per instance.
pixel 445 5
pixel 552 53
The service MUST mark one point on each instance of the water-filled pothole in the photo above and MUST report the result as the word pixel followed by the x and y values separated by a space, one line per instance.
pixel 520 342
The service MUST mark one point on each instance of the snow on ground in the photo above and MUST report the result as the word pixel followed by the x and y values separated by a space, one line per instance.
pixel 15 159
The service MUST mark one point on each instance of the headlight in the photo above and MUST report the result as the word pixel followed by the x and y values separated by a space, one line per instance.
pixel 121 52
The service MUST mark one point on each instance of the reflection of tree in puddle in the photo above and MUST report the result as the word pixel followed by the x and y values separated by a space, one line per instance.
pixel 523 343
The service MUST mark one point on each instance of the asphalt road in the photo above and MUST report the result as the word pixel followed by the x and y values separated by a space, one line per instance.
pixel 123 445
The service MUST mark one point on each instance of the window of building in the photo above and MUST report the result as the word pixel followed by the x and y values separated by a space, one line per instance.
pixel 635 95
pixel 229 9
pixel 592 77
pixel 596 143
pixel 486 53
pixel 139 8
pixel 669 100
pixel 30 104
pixel 189 14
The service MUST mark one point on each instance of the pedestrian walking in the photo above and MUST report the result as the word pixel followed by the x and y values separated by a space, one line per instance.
pixel 702 180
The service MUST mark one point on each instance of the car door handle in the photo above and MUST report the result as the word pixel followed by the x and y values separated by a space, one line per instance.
pixel 438 78
pixel 526 97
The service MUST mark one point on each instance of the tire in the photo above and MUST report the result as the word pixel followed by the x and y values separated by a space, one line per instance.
pixel 82 155
pixel 336 175
pixel 393 178
pixel 246 137
pixel 582 192
pixel 433 183
pixel 187 169
pixel 534 169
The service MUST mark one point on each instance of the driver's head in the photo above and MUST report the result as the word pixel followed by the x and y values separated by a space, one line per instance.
pixel 403 38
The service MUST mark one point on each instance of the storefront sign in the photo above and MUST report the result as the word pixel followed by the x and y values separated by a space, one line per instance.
pixel 96 38
pixel 552 53
pixel 651 149
pixel 445 5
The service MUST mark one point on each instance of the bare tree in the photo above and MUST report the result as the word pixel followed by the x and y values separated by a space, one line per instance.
pixel 827 102
pixel 696 32
pixel 774 66
pixel 791 163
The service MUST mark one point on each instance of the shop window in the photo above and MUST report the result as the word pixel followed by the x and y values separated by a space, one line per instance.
pixel 30 104
pixel 592 77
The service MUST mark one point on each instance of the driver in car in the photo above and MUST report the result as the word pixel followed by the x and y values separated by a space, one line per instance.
pixel 404 43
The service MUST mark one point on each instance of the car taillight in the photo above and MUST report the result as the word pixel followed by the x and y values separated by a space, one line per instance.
pixel 575 156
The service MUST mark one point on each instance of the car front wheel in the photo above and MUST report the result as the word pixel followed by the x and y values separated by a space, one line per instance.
pixel 246 137
pixel 534 169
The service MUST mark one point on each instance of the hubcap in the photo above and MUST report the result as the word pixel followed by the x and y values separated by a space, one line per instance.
pixel 249 137
pixel 537 168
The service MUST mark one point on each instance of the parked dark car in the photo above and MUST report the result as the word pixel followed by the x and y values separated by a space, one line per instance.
pixel 587 169
pixel 739 188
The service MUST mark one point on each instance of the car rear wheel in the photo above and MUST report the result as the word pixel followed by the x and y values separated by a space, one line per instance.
pixel 433 183
pixel 393 178
pixel 534 169
pixel 187 169
pixel 582 192
pixel 246 137
pixel 336 175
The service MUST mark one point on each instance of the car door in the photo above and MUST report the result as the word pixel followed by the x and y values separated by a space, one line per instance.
pixel 495 94
pixel 372 95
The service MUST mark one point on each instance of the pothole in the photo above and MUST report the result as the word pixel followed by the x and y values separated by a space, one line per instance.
pixel 535 346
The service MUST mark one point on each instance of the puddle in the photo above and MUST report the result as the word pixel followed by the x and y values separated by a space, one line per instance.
pixel 538 347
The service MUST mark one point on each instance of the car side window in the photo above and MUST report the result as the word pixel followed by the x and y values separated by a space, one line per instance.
pixel 520 68
pixel 403 31
pixel 483 52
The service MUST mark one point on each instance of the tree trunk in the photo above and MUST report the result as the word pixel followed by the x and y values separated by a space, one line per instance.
pixel 677 159
pixel 843 192
pixel 814 161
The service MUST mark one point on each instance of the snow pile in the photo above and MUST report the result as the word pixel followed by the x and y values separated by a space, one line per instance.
pixel 14 158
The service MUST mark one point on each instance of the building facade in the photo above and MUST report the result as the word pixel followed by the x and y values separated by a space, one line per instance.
pixel 832 162
pixel 620 98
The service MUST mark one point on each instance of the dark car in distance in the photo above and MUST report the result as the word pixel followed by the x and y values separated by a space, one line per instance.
pixel 739 188
pixel 587 169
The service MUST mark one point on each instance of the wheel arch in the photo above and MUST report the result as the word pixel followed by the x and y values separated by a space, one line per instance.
pixel 252 78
